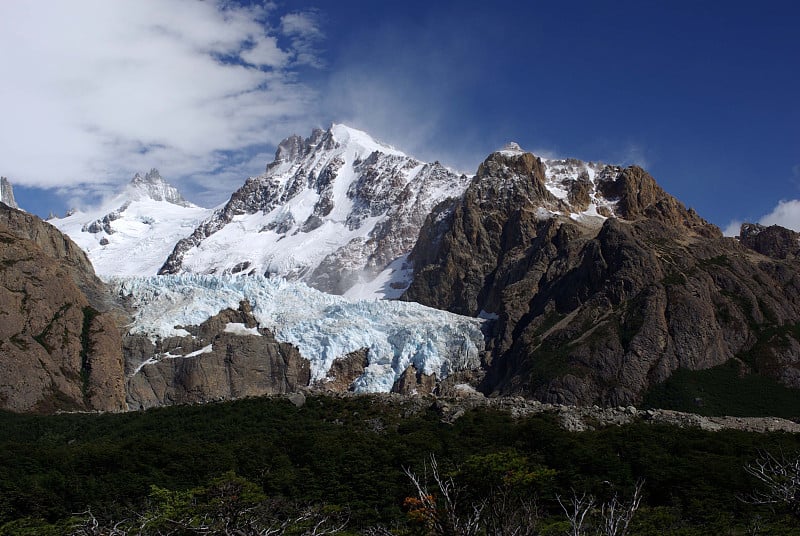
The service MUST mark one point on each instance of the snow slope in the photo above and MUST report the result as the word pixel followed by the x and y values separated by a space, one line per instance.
pixel 335 210
pixel 134 232
pixel 322 326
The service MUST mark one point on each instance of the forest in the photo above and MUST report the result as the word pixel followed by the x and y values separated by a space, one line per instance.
pixel 361 465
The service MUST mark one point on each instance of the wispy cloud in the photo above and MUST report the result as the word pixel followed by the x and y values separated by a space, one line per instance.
pixel 405 80
pixel 303 29
pixel 93 90
pixel 631 154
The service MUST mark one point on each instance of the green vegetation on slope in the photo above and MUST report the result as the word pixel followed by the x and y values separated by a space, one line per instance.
pixel 349 453
pixel 724 390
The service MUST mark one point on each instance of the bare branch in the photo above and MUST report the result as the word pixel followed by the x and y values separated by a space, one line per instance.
pixel 780 481
pixel 576 511
pixel 615 515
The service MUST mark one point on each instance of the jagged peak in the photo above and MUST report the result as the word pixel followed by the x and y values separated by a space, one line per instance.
pixel 511 148
pixel 338 137
pixel 151 177
pixel 7 193
pixel 153 186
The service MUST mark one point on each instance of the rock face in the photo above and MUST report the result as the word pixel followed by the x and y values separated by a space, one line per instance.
pixel 593 310
pixel 60 347
pixel 773 241
pixel 414 382
pixel 344 372
pixel 334 210
pixel 226 357
pixel 7 193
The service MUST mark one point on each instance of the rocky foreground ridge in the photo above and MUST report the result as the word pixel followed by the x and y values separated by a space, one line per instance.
pixel 60 347
pixel 462 400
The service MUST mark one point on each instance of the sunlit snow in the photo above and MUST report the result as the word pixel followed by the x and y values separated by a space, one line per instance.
pixel 347 233
pixel 237 328
pixel 144 231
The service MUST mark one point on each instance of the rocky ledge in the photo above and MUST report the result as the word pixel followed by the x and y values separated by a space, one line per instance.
pixel 571 418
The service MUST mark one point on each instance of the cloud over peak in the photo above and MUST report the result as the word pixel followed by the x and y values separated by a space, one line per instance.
pixel 95 90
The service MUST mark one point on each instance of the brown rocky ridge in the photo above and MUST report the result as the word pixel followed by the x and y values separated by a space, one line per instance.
pixel 773 241
pixel 60 345
pixel 600 283
pixel 596 311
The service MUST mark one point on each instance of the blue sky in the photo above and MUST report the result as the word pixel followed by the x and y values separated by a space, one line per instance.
pixel 702 94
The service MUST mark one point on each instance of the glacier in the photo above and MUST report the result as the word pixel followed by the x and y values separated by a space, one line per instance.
pixel 322 326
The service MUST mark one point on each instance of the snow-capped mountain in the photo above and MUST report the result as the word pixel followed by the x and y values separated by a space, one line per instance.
pixel 322 326
pixel 7 193
pixel 337 210
pixel 135 231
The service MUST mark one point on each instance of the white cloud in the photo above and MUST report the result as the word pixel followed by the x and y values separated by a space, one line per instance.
pixel 733 228
pixel 95 90
pixel 304 31
pixel 266 53
pixel 786 214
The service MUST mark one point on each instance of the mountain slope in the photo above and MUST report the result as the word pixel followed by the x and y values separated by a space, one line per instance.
pixel 60 347
pixel 133 233
pixel 595 310
pixel 337 210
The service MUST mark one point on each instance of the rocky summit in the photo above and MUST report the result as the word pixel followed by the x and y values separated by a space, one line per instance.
pixel 597 310
pixel 133 232
pixel 7 193
pixel 337 210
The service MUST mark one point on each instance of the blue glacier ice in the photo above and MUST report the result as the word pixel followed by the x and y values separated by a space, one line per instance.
pixel 322 326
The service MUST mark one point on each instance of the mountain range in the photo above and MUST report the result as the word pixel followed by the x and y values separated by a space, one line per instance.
pixel 567 281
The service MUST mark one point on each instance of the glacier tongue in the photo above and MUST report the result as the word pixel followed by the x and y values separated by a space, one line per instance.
pixel 322 326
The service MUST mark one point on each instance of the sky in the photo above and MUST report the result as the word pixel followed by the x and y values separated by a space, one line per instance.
pixel 702 94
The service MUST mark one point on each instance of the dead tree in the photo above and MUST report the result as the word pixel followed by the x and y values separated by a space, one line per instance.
pixel 616 515
pixel 577 510
pixel 780 481
pixel 444 508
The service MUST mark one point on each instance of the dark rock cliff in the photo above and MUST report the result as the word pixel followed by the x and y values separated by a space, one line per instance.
pixel 773 241
pixel 590 312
